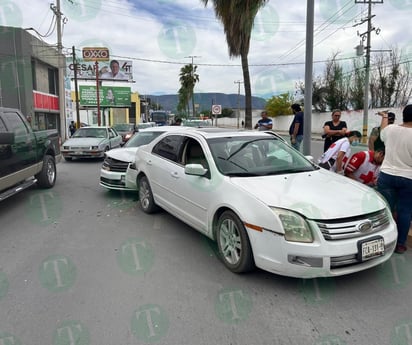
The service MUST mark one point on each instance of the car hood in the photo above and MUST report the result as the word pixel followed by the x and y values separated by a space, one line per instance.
pixel 84 141
pixel 125 154
pixel 317 194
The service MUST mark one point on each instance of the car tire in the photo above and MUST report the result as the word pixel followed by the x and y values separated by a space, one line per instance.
pixel 68 159
pixel 46 178
pixel 146 196
pixel 233 243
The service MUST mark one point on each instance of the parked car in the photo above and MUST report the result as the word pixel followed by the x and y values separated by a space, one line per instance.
pixel 27 157
pixel 126 130
pixel 265 204
pixel 91 142
pixel 116 161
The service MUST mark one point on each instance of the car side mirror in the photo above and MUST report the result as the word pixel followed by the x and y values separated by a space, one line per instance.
pixel 195 169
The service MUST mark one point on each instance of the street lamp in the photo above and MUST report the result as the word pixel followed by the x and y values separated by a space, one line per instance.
pixel 238 82
pixel 193 99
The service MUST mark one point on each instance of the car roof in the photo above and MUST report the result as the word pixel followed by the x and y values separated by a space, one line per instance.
pixel 88 127
pixel 217 132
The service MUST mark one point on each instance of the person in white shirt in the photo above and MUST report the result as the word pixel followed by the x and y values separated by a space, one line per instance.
pixel 115 72
pixel 338 153
pixel 364 166
pixel 395 177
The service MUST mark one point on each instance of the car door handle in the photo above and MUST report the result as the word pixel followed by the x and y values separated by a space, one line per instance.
pixel 174 174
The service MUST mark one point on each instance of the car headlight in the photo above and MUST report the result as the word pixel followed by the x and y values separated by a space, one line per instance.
pixel 66 147
pixel 295 226
pixel 95 147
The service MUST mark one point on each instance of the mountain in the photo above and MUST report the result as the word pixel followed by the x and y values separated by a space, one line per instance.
pixel 205 101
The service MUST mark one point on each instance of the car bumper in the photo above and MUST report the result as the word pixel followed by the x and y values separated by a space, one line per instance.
pixel 321 258
pixel 114 180
pixel 82 154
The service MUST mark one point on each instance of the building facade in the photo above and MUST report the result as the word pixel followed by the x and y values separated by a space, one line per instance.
pixel 29 78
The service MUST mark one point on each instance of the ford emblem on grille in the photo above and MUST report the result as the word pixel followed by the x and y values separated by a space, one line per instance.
pixel 365 226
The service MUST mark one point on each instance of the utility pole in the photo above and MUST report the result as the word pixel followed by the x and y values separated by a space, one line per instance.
pixel 238 82
pixel 192 73
pixel 307 123
pixel 367 62
pixel 61 66
pixel 76 89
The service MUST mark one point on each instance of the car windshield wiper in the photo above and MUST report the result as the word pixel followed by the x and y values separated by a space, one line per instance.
pixel 239 166
pixel 289 171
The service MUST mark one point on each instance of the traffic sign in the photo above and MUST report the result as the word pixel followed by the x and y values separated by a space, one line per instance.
pixel 216 109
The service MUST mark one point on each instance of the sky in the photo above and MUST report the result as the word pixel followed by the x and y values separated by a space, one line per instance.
pixel 161 36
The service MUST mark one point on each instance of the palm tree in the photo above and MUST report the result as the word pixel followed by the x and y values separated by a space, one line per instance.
pixel 188 79
pixel 237 17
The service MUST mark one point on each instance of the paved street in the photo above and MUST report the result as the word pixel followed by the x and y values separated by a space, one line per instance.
pixel 80 265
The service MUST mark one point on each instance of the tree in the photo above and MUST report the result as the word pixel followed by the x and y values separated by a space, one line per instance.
pixel 336 84
pixel 188 79
pixel 237 17
pixel 279 105
pixel 357 85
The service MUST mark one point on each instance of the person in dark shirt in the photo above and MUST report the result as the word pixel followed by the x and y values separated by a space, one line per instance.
pixel 375 143
pixel 296 127
pixel 333 130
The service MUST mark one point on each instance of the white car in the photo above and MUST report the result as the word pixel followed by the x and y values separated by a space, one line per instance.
pixel 90 142
pixel 116 161
pixel 265 204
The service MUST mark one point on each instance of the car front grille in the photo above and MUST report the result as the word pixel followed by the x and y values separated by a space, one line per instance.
pixel 115 165
pixel 340 229
pixel 79 147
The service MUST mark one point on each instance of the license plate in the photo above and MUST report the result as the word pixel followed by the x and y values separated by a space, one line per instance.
pixel 371 248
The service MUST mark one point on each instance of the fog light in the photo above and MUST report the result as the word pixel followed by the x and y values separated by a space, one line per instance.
pixel 305 261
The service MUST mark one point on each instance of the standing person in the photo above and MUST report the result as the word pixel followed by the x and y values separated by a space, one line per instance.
pixel 395 177
pixel 265 122
pixel 115 72
pixel 72 128
pixel 364 166
pixel 375 142
pixel 296 127
pixel 338 153
pixel 333 130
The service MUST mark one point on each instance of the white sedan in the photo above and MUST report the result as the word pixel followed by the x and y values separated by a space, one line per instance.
pixel 90 142
pixel 117 161
pixel 265 204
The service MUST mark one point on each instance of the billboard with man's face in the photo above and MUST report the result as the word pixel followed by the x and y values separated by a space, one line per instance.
pixel 108 70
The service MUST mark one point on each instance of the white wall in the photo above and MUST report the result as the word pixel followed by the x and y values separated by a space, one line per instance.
pixel 354 120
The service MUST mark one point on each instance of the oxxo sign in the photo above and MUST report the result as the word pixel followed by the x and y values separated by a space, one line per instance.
pixel 95 54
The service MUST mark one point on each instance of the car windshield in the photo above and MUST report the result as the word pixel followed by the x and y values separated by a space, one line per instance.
pixel 252 156
pixel 123 127
pixel 142 138
pixel 88 132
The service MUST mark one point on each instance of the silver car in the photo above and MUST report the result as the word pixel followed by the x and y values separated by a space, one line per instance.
pixel 91 142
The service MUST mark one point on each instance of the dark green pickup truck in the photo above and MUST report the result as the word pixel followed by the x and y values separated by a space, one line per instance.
pixel 26 157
